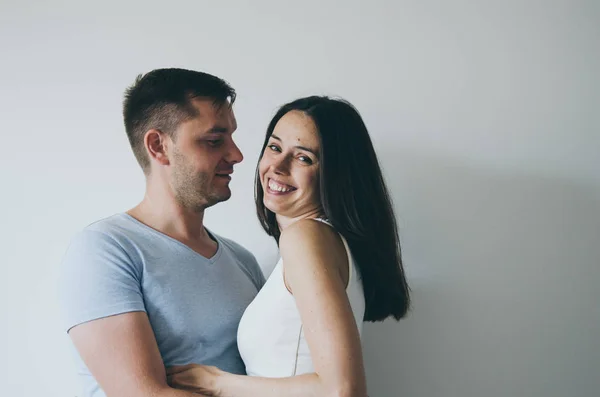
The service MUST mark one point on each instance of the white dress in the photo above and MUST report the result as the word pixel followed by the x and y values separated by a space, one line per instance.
pixel 270 335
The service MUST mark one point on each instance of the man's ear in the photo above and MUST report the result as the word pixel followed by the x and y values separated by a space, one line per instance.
pixel 156 143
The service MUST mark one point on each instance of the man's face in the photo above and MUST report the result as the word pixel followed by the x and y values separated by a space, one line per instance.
pixel 202 155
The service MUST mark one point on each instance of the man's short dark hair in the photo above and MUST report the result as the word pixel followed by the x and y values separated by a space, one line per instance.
pixel 162 99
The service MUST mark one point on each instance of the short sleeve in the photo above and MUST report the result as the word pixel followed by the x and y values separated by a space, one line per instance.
pixel 98 279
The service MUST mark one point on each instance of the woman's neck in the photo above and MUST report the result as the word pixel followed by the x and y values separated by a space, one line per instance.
pixel 285 221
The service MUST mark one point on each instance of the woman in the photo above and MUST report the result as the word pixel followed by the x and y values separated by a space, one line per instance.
pixel 321 195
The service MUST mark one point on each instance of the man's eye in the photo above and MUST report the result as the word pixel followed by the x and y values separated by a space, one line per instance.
pixel 215 142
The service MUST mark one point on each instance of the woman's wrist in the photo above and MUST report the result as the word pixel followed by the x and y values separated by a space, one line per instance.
pixel 219 382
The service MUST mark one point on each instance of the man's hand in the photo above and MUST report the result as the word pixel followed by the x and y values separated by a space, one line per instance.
pixel 195 378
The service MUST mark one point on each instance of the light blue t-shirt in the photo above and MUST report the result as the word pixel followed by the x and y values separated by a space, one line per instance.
pixel 194 304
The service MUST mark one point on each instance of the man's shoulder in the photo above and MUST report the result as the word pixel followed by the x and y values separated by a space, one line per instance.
pixel 115 233
pixel 118 227
pixel 113 224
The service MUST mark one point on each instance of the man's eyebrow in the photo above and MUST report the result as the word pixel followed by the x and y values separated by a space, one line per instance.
pixel 297 147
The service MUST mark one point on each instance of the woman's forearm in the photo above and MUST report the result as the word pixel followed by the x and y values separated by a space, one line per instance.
pixel 308 385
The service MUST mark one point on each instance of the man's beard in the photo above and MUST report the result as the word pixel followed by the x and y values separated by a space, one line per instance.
pixel 193 190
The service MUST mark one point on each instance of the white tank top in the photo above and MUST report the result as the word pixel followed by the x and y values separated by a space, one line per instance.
pixel 270 335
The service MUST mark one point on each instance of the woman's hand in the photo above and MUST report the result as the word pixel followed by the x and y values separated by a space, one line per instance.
pixel 201 379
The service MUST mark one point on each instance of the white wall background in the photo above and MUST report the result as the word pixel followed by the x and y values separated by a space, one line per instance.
pixel 485 117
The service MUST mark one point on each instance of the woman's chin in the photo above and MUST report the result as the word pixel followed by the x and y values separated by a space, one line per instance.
pixel 276 209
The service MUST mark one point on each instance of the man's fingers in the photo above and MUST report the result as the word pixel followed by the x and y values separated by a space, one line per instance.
pixel 180 380
pixel 179 368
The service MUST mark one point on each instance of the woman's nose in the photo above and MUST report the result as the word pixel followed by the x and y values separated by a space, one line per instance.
pixel 281 165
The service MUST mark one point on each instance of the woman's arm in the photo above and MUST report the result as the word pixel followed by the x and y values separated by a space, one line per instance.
pixel 213 382
pixel 315 261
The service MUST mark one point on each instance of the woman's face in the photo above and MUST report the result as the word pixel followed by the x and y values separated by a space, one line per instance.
pixel 289 167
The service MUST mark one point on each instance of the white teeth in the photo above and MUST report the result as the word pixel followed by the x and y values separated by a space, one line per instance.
pixel 277 187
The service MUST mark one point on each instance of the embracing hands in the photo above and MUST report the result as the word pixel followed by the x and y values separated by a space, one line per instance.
pixel 196 378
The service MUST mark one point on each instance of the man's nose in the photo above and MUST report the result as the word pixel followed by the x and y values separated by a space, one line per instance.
pixel 234 154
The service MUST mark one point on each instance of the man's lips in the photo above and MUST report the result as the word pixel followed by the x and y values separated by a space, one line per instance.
pixel 224 174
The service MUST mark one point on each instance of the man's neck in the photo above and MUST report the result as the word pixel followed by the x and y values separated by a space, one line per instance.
pixel 185 227
pixel 161 211
pixel 170 219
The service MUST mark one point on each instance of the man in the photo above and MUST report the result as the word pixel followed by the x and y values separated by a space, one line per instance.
pixel 152 288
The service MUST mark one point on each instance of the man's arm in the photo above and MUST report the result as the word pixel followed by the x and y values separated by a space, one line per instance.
pixel 103 304
pixel 122 355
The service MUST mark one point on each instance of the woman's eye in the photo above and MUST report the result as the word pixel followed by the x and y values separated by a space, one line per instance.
pixel 305 159
pixel 274 148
